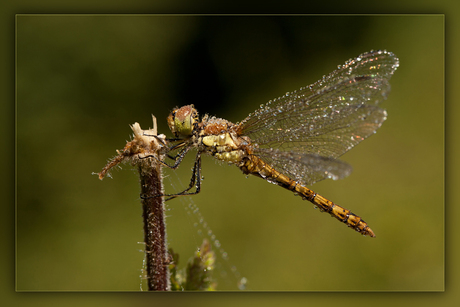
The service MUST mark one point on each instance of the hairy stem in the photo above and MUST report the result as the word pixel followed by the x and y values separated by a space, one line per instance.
pixel 144 152
pixel 156 252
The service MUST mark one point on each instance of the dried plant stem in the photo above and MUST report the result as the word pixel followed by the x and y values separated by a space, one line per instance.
pixel 144 151
pixel 154 229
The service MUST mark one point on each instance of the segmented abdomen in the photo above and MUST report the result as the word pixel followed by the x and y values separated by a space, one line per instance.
pixel 255 166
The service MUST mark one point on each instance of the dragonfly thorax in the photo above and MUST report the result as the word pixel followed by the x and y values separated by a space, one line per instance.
pixel 224 146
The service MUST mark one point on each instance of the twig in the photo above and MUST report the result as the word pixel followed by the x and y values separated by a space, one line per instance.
pixel 154 228
pixel 144 151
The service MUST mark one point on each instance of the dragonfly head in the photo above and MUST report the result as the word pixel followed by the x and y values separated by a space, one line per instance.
pixel 181 121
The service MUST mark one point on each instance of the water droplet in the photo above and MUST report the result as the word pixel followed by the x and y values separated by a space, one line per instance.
pixel 242 283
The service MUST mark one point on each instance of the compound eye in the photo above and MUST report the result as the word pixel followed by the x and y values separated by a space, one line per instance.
pixel 182 121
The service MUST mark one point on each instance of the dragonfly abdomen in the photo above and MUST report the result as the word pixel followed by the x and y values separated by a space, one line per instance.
pixel 344 215
pixel 255 166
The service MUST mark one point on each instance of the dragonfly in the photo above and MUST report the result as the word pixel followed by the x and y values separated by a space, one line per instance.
pixel 295 140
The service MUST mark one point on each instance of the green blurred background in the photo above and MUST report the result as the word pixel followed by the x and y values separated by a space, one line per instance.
pixel 82 80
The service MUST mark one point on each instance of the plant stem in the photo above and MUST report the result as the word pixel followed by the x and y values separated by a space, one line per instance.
pixel 154 229
pixel 144 152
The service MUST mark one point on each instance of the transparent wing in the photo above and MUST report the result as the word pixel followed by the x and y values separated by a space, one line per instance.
pixel 330 116
pixel 304 168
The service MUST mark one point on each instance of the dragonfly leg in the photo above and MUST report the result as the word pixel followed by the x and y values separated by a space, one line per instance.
pixel 177 158
pixel 195 181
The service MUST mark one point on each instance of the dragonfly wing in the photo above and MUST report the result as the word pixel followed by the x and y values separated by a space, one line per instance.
pixel 330 116
pixel 304 168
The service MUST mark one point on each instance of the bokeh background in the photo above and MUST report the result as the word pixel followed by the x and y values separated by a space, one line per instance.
pixel 82 80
